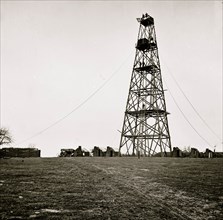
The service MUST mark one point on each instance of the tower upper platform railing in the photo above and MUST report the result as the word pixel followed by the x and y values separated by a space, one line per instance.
pixel 146 20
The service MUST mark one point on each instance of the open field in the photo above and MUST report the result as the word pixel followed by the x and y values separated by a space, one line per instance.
pixel 111 188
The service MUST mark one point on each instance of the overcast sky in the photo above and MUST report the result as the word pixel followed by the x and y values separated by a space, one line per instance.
pixel 55 54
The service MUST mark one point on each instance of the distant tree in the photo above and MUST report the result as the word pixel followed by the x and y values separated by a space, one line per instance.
pixel 187 149
pixel 5 136
pixel 32 145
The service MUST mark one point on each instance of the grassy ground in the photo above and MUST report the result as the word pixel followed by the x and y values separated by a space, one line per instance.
pixel 111 188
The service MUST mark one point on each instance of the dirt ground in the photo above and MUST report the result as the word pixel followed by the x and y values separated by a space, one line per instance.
pixel 111 188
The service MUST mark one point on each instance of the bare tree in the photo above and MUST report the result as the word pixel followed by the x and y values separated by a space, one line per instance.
pixel 5 136
pixel 31 145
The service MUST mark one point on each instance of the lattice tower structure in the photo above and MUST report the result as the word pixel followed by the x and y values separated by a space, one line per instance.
pixel 145 129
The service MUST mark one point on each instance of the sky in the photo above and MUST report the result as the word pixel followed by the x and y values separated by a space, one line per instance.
pixel 75 59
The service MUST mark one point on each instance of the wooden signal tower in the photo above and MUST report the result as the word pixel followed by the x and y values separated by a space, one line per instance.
pixel 145 130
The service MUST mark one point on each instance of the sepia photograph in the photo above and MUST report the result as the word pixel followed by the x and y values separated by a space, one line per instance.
pixel 111 109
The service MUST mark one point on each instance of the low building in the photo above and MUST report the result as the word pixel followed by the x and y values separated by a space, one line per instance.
pixel 194 153
pixel 97 152
pixel 78 152
pixel 163 154
pixel 19 152
pixel 74 153
pixel 208 153
pixel 218 154
pixel 66 153
pixel 86 153
pixel 176 152
pixel 110 152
